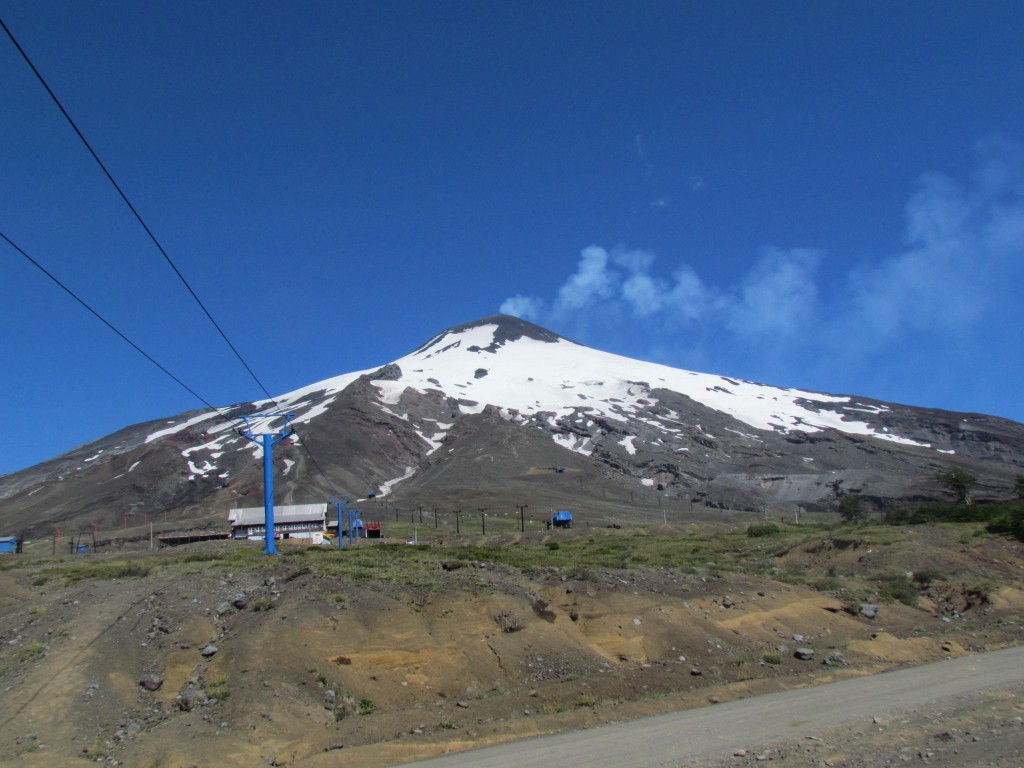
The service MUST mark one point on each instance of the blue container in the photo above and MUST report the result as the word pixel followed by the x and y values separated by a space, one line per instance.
pixel 82 549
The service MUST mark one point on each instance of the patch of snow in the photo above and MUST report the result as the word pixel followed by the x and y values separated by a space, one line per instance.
pixel 200 471
pixel 744 434
pixel 204 447
pixel 627 443
pixel 173 430
pixel 288 464
pixel 387 487
pixel 133 466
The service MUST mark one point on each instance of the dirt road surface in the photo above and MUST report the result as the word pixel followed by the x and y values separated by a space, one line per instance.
pixel 737 728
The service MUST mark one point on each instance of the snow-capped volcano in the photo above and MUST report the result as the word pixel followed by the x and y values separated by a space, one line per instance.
pixel 527 398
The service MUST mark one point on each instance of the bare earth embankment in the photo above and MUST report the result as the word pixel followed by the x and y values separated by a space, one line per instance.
pixel 213 654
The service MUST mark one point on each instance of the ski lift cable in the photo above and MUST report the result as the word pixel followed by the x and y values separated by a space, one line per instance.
pixel 163 252
pixel 112 327
pixel 135 212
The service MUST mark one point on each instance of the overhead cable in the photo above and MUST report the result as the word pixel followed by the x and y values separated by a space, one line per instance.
pixel 135 212
pixel 111 326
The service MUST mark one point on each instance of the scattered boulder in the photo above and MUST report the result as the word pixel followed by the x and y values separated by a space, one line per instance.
pixel 508 621
pixel 728 602
pixel 868 610
pixel 151 682
pixel 190 699
pixel 240 600
pixel 330 699
pixel 223 608
pixel 209 651
pixel 804 654
pixel 834 659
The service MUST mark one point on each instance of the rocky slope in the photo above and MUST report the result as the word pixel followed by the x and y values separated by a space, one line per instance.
pixel 214 654
pixel 484 413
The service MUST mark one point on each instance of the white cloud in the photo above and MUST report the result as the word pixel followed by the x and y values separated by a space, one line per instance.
pixel 777 296
pixel 591 281
pixel 526 307
pixel 948 292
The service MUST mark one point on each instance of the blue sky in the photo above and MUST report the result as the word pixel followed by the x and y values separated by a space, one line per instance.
pixel 811 194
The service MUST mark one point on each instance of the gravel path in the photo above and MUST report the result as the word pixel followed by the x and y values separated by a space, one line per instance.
pixel 736 729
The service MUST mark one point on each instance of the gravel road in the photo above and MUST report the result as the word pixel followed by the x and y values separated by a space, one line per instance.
pixel 716 732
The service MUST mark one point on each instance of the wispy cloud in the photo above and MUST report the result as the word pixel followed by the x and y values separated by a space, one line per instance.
pixel 905 323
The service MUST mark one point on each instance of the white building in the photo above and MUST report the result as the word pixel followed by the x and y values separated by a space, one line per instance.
pixel 291 521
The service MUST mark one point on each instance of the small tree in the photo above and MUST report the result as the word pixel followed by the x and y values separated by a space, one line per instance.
pixel 960 482
pixel 851 509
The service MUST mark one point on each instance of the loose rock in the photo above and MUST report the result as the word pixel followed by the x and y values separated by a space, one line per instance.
pixel 151 682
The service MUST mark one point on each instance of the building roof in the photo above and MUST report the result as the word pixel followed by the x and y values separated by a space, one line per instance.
pixel 283 513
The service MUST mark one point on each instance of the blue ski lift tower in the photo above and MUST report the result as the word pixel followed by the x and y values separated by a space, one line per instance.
pixel 267 440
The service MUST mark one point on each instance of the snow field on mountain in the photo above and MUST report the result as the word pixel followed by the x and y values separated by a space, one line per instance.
pixel 526 377
pixel 534 376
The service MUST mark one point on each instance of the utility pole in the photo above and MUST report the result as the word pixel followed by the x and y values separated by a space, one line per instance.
pixel 522 521
pixel 267 440
pixel 435 517
pixel 339 502
pixel 354 523
pixel 458 518
pixel 483 523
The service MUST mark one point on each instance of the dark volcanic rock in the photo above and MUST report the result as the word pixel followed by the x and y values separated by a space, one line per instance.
pixel 639 443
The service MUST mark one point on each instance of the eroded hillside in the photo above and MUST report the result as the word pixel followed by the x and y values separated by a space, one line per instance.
pixel 390 652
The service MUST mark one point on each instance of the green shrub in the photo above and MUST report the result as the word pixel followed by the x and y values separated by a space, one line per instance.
pixel 897 587
pixel 1010 522
pixel 758 530
pixel 772 657
pixel 31 652
pixel 366 706
pixel 261 604
pixel 995 514
pixel 927 576
pixel 217 688
pixel 76 573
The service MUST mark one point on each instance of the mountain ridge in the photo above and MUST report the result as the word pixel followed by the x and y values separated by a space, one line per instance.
pixel 419 424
